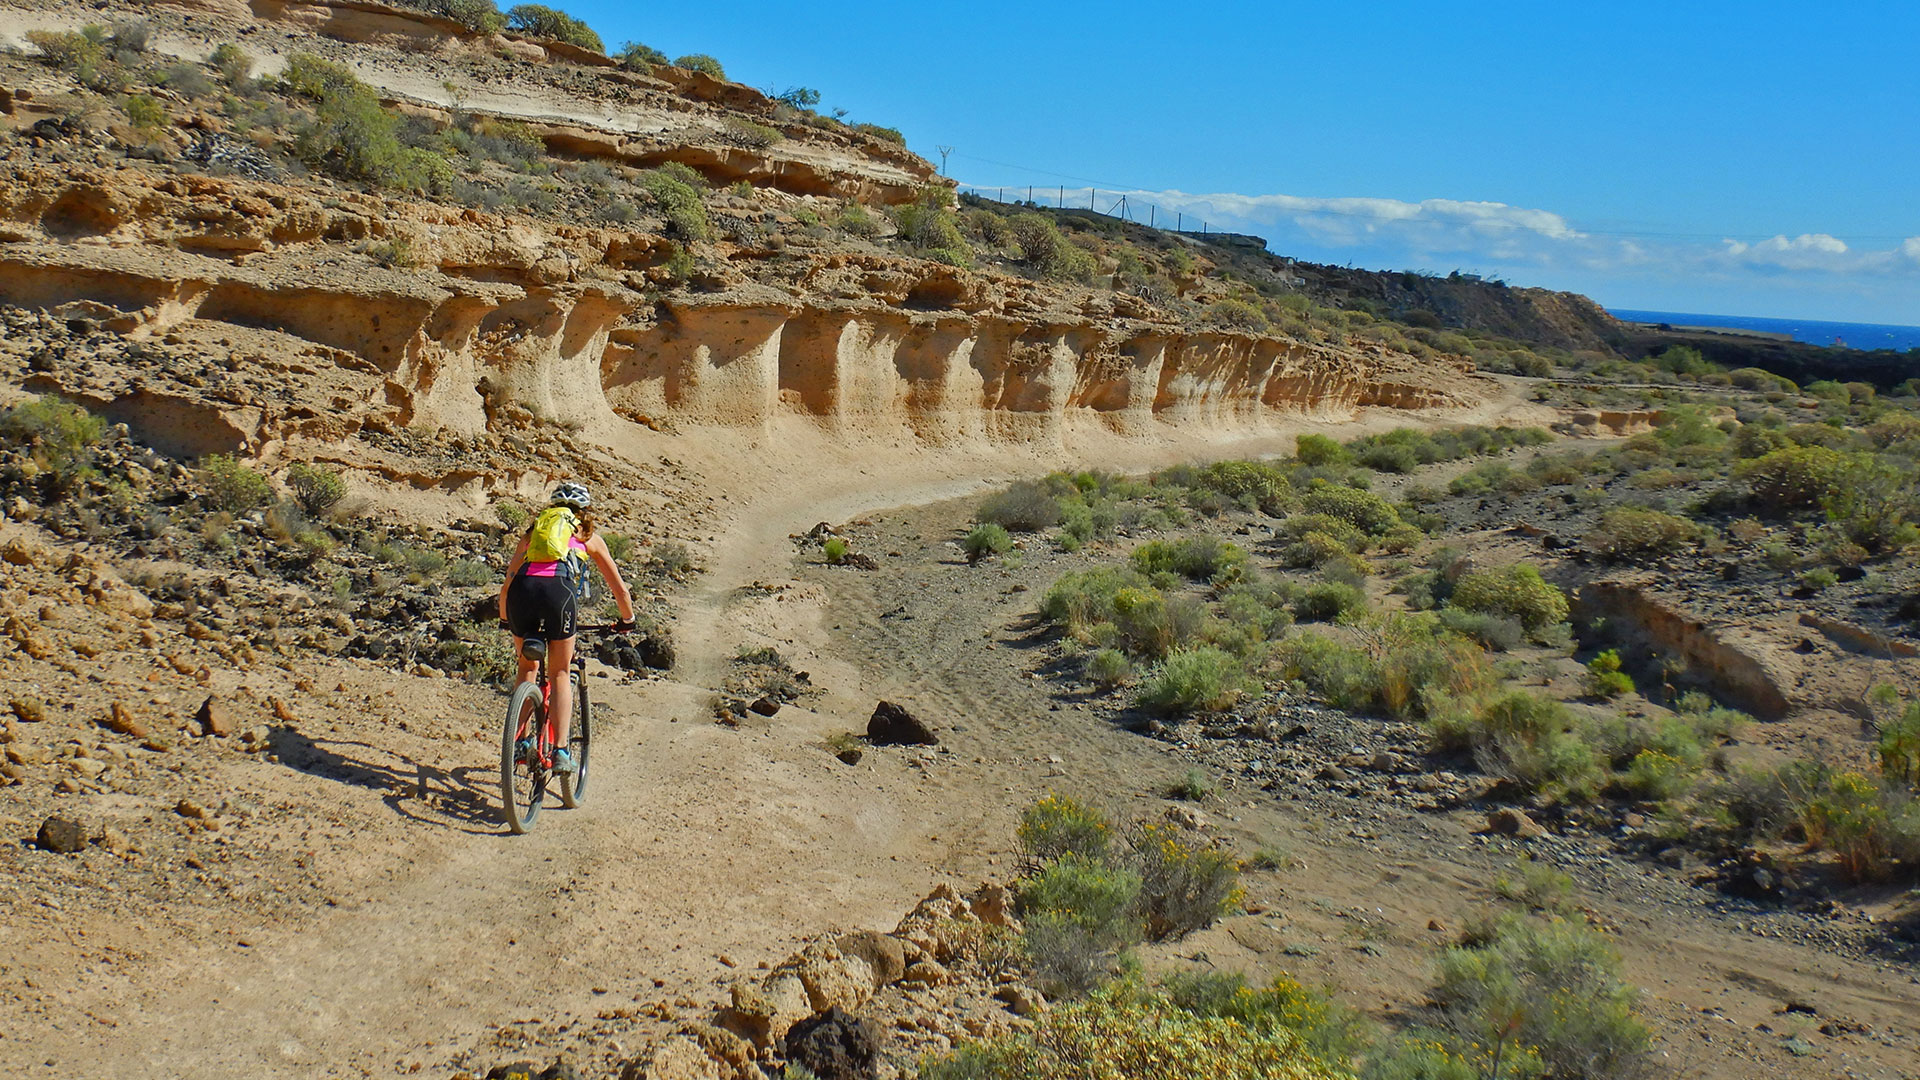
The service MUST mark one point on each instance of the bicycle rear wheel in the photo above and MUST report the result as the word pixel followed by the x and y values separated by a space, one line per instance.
pixel 523 783
pixel 573 787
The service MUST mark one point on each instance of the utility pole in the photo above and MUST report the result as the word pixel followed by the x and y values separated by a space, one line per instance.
pixel 944 151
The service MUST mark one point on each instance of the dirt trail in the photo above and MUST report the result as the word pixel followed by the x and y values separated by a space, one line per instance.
pixel 698 841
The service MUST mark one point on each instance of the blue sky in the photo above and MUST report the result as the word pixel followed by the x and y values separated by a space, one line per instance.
pixel 1759 158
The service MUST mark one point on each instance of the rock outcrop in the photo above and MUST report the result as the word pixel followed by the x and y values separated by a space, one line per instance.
pixel 499 320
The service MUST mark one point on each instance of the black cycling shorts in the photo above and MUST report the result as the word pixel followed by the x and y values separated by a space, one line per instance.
pixel 542 607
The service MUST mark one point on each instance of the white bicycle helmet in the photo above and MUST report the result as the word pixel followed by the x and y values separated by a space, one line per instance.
pixel 571 494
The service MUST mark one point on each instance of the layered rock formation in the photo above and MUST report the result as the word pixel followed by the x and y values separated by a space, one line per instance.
pixel 496 320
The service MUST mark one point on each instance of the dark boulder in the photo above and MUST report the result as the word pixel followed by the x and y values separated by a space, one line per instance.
pixel 892 725
pixel 835 1046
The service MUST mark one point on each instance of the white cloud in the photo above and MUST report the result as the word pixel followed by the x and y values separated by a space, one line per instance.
pixel 1446 224
pixel 1808 251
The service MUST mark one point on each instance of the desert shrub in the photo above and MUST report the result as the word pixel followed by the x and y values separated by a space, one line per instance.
pixel 1122 1033
pixel 881 132
pixel 1108 667
pixel 634 56
pixel 353 135
pixel 233 487
pixel 1849 818
pixel 513 516
pixel 315 487
pixel 469 572
pixel 1235 314
pixel 1799 477
pixel 1656 775
pixel 1026 506
pixel 1626 532
pixel 1202 677
pixel 702 63
pixel 1083 598
pixel 1363 509
pixel 1319 450
pixel 1539 887
pixel 1604 678
pixel 1520 737
pixel 1261 607
pixel 59 436
pixel 188 80
pixel 928 224
pixel 1326 601
pixel 1248 482
pixel 1899 748
pixel 1819 578
pixel 1496 632
pixel 672 558
pixel 233 64
pixel 1080 912
pixel 1516 592
pixel 1552 986
pixel 87 54
pixel 749 134
pixel 835 550
pixel 1058 825
pixel 1753 378
pixel 1200 558
pixel 1762 803
pixel 679 202
pixel 1047 252
pixel 1342 674
pixel 986 540
pixel 543 21
pixel 1184 884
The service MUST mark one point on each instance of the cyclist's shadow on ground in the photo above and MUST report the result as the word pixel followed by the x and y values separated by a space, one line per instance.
pixel 460 798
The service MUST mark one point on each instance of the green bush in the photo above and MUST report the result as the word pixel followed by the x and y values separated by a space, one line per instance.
pixel 1233 314
pixel 1657 776
pixel 928 224
pixel 1520 737
pixel 1194 786
pixel 1899 748
pixel 1800 477
pixel 353 135
pixel 1184 885
pixel 1849 817
pixel 542 21
pixel 634 56
pixel 1363 509
pixel 1516 592
pixel 1083 598
pixel 884 134
pixel 749 134
pixel 1049 254
pixel 986 540
pixel 1059 825
pixel 1108 668
pixel 702 63
pixel 1550 986
pixel 1319 450
pixel 59 436
pixel 1123 1034
pixel 1080 912
pixel 679 202
pixel 1326 601
pixel 835 550
pixel 1496 632
pixel 1628 533
pixel 233 487
pixel 1189 679
pixel 1199 558
pixel 145 113
pixel 1026 506
pixel 1604 677
pixel 315 487
pixel 233 64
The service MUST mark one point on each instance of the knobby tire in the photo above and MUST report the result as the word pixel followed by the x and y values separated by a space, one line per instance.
pixel 523 784
pixel 573 787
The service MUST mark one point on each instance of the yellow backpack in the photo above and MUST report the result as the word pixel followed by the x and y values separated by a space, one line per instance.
pixel 550 540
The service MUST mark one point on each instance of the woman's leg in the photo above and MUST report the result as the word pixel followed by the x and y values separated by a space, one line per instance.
pixel 560 692
pixel 527 667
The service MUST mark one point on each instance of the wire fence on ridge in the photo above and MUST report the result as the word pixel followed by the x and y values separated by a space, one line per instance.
pixel 1115 204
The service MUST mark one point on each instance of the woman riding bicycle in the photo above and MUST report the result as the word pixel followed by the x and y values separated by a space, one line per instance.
pixel 539 601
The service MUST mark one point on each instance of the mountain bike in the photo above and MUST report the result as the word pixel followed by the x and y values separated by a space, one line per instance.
pixel 526 772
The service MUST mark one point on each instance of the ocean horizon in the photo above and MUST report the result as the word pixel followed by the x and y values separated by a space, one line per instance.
pixel 1815 332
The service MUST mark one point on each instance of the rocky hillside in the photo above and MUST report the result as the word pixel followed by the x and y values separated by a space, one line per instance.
pixel 570 243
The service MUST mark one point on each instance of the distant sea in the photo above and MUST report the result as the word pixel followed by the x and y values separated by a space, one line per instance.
pixel 1853 335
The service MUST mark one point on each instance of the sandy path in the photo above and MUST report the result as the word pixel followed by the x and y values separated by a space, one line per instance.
pixel 698 841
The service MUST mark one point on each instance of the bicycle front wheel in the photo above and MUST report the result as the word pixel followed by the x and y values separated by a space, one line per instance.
pixel 523 782
pixel 573 787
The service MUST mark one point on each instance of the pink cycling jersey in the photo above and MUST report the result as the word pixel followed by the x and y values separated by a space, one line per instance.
pixel 552 569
